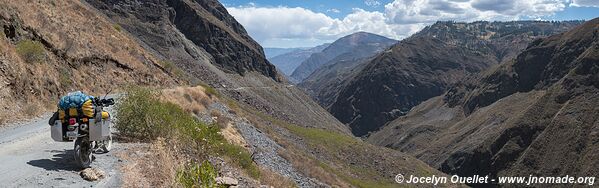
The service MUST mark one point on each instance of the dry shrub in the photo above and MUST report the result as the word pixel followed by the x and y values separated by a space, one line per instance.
pixel 221 120
pixel 3 119
pixel 205 101
pixel 165 161
pixel 31 109
pixel 158 172
pixel 312 168
pixel 191 99
pixel 232 136
pixel 274 179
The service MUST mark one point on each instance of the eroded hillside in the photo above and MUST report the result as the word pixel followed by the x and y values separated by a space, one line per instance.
pixel 52 47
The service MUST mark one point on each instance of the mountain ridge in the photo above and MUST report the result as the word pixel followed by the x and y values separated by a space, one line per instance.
pixel 346 44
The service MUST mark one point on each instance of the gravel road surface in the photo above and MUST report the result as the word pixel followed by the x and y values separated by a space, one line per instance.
pixel 30 158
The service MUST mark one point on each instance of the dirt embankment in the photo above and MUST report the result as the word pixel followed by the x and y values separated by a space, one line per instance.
pixel 52 47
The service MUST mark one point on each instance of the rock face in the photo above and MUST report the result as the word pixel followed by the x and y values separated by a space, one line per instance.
pixel 206 24
pixel 424 65
pixel 288 62
pixel 357 45
pixel 534 115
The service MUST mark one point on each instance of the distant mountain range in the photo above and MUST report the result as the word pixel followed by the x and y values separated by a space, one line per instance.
pixel 272 52
pixel 287 62
pixel 357 45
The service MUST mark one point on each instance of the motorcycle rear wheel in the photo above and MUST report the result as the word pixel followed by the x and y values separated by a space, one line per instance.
pixel 107 144
pixel 83 152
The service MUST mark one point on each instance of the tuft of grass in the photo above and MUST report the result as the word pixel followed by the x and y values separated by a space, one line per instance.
pixel 117 27
pixel 31 51
pixel 329 139
pixel 240 157
pixel 198 175
pixel 64 77
pixel 143 116
pixel 209 90
pixel 171 68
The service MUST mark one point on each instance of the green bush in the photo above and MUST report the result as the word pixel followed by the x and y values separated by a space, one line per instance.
pixel 209 90
pixel 31 51
pixel 240 157
pixel 196 175
pixel 117 27
pixel 143 116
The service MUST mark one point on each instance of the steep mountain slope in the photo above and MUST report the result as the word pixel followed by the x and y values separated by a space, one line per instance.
pixel 424 65
pixel 534 115
pixel 357 45
pixel 51 48
pixel 171 29
pixel 324 84
pixel 288 62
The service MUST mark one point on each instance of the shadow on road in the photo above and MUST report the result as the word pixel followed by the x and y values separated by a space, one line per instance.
pixel 62 160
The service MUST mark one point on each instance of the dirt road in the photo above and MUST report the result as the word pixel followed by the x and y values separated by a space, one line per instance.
pixel 30 158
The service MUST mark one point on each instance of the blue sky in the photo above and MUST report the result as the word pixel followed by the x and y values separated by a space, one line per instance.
pixel 306 23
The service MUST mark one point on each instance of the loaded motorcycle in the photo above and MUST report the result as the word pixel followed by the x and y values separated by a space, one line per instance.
pixel 90 132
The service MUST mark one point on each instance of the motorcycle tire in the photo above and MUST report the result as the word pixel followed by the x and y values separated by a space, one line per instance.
pixel 107 144
pixel 83 152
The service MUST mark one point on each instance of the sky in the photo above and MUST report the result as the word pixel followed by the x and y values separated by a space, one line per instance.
pixel 308 23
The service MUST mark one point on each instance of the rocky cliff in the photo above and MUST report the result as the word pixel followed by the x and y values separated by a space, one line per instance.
pixel 206 24
pixel 424 65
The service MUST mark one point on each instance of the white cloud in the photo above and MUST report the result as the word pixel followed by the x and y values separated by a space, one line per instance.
pixel 585 3
pixel 427 11
pixel 334 10
pixel 372 3
pixel 286 26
